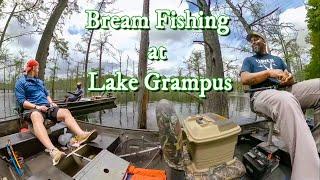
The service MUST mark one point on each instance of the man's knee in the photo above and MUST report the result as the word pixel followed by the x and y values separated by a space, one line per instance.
pixel 63 114
pixel 286 98
pixel 36 117
pixel 65 111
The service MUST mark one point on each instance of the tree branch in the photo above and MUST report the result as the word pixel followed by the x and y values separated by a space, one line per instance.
pixel 194 4
pixel 259 19
pixel 205 43
pixel 26 9
pixel 23 34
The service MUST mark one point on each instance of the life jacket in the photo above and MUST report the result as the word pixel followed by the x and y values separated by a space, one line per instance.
pixel 145 174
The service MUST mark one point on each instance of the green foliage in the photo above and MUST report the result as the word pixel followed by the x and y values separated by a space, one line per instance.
pixel 313 68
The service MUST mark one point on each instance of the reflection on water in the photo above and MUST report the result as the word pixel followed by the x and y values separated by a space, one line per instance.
pixel 125 114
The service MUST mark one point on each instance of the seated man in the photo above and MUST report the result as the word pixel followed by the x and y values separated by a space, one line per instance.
pixel 286 106
pixel 76 95
pixel 32 95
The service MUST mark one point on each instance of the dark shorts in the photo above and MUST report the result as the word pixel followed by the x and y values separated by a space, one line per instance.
pixel 50 114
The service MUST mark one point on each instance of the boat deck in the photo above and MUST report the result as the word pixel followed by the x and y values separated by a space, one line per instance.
pixel 38 164
pixel 40 167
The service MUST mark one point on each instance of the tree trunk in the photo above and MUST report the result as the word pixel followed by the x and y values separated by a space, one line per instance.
pixel 120 61
pixel 7 24
pixel 100 64
pixel 4 79
pixel 43 48
pixel 215 102
pixel 68 69
pixel 53 79
pixel 142 70
pixel 86 64
pixel 87 56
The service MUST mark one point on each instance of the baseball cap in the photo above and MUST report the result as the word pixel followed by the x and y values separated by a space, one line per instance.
pixel 254 33
pixel 30 64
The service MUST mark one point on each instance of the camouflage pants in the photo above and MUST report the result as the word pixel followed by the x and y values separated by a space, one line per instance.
pixel 170 134
pixel 230 170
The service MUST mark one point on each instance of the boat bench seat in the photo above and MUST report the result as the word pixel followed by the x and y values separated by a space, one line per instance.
pixel 18 138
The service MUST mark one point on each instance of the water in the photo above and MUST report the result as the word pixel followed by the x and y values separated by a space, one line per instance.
pixel 125 114
pixel 7 104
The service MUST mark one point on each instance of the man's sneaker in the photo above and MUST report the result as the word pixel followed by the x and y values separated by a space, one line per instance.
pixel 81 139
pixel 56 155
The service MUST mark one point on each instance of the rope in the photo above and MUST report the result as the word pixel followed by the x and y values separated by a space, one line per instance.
pixel 140 152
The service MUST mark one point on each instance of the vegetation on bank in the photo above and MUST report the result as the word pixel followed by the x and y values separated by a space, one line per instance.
pixel 313 17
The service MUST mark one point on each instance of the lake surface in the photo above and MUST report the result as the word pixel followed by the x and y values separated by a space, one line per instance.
pixel 125 114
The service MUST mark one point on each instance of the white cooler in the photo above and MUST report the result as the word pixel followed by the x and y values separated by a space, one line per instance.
pixel 211 140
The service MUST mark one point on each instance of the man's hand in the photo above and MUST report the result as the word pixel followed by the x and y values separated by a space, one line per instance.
pixel 53 104
pixel 42 108
pixel 278 74
pixel 288 80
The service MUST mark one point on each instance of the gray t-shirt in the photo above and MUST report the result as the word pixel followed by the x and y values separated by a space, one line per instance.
pixel 259 63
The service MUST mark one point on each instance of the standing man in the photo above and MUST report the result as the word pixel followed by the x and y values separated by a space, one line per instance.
pixel 33 97
pixel 285 107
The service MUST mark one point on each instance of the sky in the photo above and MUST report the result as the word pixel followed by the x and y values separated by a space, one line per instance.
pixel 179 43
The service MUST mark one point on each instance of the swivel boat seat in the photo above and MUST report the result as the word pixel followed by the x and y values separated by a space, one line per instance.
pixel 268 145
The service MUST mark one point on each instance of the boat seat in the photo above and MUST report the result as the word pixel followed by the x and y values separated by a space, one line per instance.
pixel 18 138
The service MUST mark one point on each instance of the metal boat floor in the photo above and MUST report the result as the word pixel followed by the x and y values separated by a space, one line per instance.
pixel 39 166
pixel 106 141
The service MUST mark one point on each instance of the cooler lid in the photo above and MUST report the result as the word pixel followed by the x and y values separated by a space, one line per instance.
pixel 208 127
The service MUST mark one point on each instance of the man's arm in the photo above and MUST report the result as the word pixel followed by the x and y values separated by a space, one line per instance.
pixel 258 77
pixel 29 105
pixel 71 93
pixel 21 98
pixel 77 93
pixel 49 99
pixel 51 102
pixel 254 78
